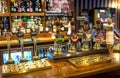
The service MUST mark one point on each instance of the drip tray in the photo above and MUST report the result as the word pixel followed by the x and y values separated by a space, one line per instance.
pixel 89 60
pixel 25 67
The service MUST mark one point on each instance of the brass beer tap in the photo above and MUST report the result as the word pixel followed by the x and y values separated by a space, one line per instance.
pixel 9 67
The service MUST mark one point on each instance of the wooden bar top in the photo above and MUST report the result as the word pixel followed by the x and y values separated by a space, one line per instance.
pixel 64 69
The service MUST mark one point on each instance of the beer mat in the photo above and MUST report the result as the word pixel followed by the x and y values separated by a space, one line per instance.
pixel 89 60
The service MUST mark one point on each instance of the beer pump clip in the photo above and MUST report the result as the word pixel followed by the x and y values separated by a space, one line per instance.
pixel 59 38
pixel 73 41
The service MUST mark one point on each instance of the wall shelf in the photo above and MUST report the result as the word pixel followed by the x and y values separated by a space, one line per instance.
pixel 27 14
pixel 4 14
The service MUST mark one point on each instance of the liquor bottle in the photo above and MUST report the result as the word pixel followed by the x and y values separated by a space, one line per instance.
pixel 7 24
pixel 15 24
pixel 38 7
pixel 65 23
pixel 48 5
pixel 29 6
pixel 32 21
pixel 14 28
pixel 13 8
pixel 62 28
pixel 40 25
pixel 3 7
pixel 47 24
pixel 2 23
pixel 23 6
pixel 19 6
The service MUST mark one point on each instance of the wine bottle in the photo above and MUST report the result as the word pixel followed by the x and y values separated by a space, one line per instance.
pixel 7 25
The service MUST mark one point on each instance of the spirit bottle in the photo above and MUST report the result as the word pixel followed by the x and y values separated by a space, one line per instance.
pixel 38 7
pixel 23 6
pixel 7 25
pixel 48 5
pixel 13 9
pixel 19 6
pixel 3 7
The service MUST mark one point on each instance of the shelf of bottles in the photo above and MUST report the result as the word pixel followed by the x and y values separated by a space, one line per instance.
pixel 26 6
pixel 3 7
pixel 4 25
pixel 27 23
pixel 54 24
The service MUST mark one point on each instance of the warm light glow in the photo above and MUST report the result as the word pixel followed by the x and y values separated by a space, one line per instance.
pixel 53 36
pixel 24 71
pixel 116 57
pixel 68 55
pixel 114 5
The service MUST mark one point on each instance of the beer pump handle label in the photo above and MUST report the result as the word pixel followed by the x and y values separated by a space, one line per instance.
pixel 7 34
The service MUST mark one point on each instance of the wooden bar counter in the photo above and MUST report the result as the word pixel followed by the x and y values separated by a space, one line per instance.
pixel 63 69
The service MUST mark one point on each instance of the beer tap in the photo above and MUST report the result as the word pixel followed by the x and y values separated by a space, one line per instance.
pixel 73 41
pixel 58 41
pixel 33 35
pixel 9 67
pixel 97 44
pixel 20 36
pixel 85 45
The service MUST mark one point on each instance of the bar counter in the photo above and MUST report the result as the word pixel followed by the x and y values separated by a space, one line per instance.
pixel 63 69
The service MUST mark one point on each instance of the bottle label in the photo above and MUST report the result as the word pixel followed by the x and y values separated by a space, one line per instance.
pixel 27 9
pixel 23 9
pixel 19 10
pixel 41 28
pixel 14 30
pixel 40 10
pixel 30 10
pixel 36 9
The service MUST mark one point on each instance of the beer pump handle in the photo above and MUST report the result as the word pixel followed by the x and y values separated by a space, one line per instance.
pixel 33 34
pixel 20 35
